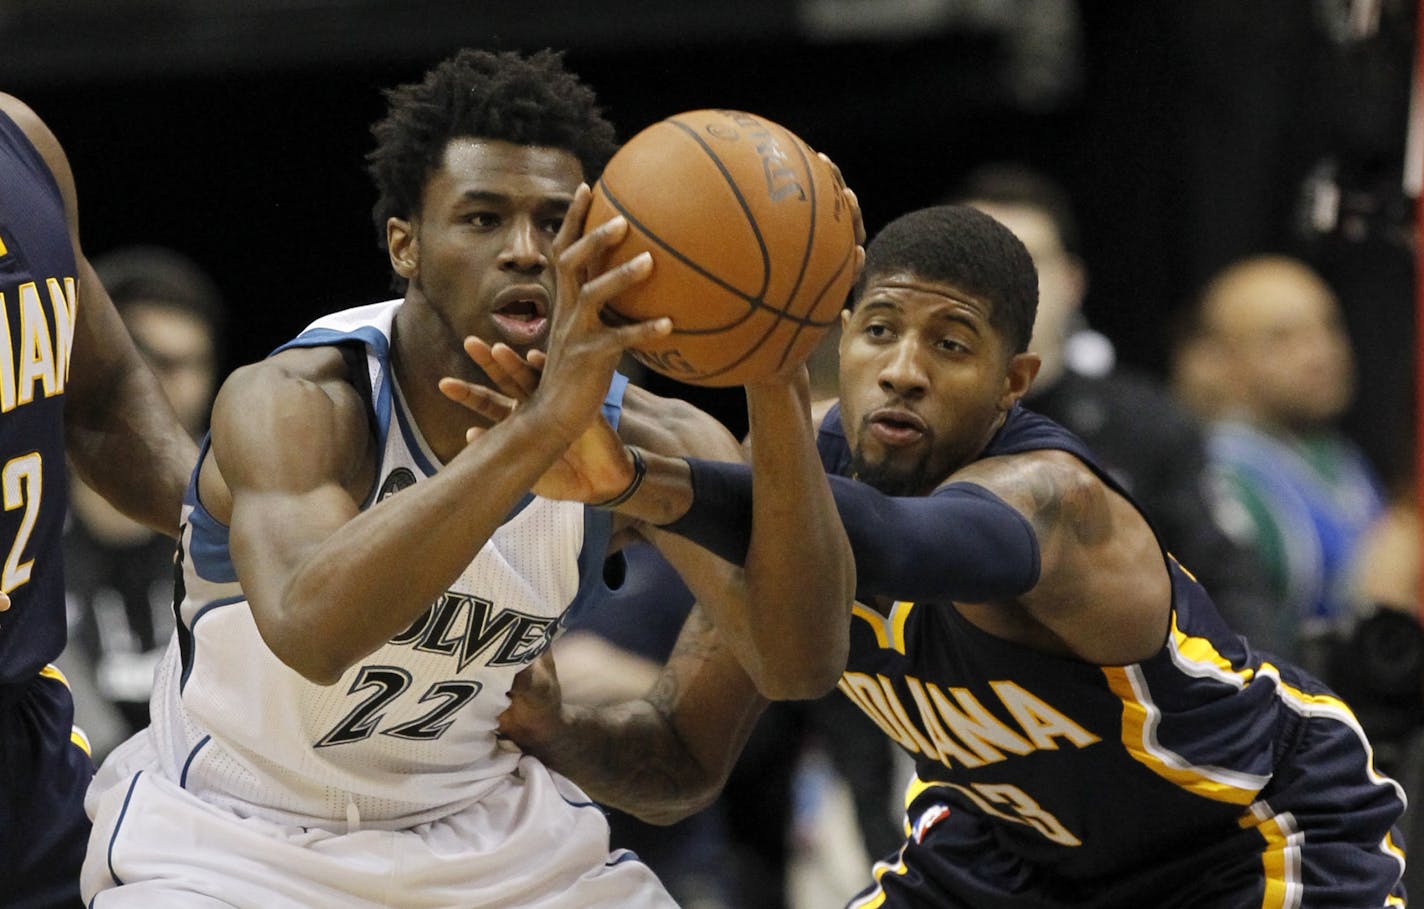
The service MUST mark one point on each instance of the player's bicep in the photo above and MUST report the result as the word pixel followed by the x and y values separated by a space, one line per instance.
pixel 287 451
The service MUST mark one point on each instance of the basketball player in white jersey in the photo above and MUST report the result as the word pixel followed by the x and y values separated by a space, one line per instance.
pixel 360 583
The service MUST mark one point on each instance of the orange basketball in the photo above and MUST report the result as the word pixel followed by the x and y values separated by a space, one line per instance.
pixel 752 241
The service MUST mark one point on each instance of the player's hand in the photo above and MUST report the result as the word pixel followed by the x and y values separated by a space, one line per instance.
pixel 596 467
pixel 853 202
pixel 4 602
pixel 583 351
pixel 535 711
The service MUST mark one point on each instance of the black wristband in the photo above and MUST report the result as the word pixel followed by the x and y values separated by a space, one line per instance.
pixel 640 470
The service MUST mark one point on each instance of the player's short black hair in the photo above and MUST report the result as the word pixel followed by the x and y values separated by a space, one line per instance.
pixel 968 250
pixel 1008 183
pixel 507 96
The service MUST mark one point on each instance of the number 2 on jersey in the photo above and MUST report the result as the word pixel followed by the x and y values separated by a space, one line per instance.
pixel 22 480
pixel 387 683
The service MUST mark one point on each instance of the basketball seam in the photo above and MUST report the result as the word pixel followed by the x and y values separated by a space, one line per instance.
pixel 754 304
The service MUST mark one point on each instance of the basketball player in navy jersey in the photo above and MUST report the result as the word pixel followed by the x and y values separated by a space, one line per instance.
pixel 1087 730
pixel 361 582
pixel 71 384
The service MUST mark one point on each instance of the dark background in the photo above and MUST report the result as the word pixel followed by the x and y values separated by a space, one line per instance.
pixel 1186 132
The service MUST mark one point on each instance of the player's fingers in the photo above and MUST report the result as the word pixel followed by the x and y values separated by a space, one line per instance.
pixel 486 402
pixel 572 226
pixel 589 246
pixel 522 377
pixel 4 602
pixel 615 281
pixel 537 359
pixel 858 218
pixel 642 332
pixel 504 367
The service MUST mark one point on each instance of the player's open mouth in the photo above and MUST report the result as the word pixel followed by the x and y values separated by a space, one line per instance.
pixel 896 427
pixel 522 314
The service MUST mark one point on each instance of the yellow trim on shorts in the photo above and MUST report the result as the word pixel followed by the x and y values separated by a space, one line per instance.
pixel 1138 713
pixel 1281 889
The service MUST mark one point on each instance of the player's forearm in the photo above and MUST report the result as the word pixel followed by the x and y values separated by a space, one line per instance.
pixel 344 601
pixel 628 756
pixel 800 572
pixel 125 442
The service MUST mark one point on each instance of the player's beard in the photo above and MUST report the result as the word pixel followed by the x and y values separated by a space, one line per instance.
pixel 908 480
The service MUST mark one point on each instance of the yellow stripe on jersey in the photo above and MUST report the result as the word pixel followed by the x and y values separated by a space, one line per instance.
pixel 876 622
pixel 77 736
pixel 51 671
pixel 3 250
pixel 889 631
pixel 899 614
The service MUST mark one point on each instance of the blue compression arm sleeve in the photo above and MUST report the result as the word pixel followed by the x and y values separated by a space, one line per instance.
pixel 962 542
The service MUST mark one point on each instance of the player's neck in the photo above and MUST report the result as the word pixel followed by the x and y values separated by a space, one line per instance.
pixel 422 353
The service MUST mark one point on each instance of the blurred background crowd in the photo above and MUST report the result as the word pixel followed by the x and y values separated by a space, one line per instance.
pixel 1220 197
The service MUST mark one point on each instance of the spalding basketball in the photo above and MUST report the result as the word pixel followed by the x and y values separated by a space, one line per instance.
pixel 753 244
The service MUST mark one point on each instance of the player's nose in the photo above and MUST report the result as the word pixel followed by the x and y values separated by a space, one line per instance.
pixel 524 247
pixel 902 371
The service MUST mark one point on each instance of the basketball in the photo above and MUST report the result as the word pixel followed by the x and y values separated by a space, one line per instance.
pixel 753 244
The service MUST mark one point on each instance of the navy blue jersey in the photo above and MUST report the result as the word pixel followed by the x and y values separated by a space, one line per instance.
pixel 1110 785
pixel 37 299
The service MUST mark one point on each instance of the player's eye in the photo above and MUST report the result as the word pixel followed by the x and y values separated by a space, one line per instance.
pixel 953 345
pixel 878 330
pixel 552 225
pixel 485 219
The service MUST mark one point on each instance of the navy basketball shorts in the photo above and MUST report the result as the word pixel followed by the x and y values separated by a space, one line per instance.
pixel 45 769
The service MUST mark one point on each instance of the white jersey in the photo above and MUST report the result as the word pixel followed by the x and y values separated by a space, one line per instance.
pixel 408 734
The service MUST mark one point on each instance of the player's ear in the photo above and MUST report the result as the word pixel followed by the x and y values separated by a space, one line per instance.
pixel 404 247
pixel 1022 368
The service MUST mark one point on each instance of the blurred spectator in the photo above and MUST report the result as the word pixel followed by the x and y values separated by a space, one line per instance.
pixel 120 573
pixel 1151 444
pixel 1268 360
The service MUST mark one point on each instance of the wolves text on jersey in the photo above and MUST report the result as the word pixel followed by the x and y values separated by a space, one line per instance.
pixel 466 627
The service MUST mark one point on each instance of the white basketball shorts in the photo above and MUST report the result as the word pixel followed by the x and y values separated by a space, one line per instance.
pixel 536 841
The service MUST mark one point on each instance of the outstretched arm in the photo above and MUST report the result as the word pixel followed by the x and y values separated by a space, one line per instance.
pixel 120 431
pixel 662 757
pixel 784 599
pixel 963 542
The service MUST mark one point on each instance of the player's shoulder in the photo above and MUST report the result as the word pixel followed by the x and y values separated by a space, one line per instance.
pixel 23 115
pixel 1036 481
pixel 37 131
pixel 303 382
pixel 673 426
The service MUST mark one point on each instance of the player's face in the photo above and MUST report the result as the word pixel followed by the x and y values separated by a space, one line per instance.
pixel 481 251
pixel 925 379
